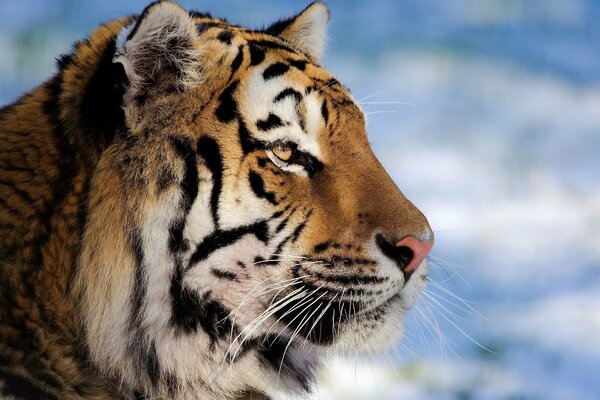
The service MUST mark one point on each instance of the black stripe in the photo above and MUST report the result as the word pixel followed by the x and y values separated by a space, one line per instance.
pixel 230 276
pixel 321 247
pixel 310 163
pixel 325 111
pixel 144 357
pixel 64 61
pixel 153 365
pixel 300 228
pixel 189 192
pixel 209 150
pixel 288 92
pixel 139 288
pixel 214 319
pixel 172 384
pixel 282 243
pixel 219 239
pixel 247 142
pixel 301 65
pixel 237 61
pixel 272 121
pixel 275 70
pixel 257 55
pixel 345 279
pixel 101 110
pixel 227 109
pixel 292 236
pixel 183 302
pixel 262 161
pixel 285 221
pixel 202 27
pixel 278 214
pixel 225 36
pixel 258 187
pixel 269 44
pixel 190 312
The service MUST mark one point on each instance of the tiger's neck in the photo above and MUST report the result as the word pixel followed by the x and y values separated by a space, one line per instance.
pixel 47 157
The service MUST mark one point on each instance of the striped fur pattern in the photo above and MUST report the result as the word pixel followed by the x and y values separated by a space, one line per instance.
pixel 155 244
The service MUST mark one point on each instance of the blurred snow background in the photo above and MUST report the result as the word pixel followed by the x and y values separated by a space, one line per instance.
pixel 487 115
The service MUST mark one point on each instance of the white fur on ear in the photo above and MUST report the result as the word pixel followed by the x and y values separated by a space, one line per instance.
pixel 158 44
pixel 306 31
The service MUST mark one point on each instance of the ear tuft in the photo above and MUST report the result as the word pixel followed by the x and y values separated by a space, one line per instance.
pixel 306 31
pixel 158 49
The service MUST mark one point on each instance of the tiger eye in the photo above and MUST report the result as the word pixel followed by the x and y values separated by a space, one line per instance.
pixel 283 151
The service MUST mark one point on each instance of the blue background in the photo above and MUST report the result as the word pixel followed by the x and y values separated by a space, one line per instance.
pixel 487 115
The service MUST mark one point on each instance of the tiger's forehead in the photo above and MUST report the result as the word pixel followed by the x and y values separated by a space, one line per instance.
pixel 279 101
pixel 280 93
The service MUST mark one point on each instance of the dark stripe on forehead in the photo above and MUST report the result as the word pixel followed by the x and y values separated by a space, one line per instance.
pixel 247 142
pixel 273 121
pixel 225 36
pixel 257 55
pixel 202 27
pixel 269 44
pixel 275 70
pixel 288 92
pixel 227 109
pixel 209 150
pixel 237 61
pixel 301 65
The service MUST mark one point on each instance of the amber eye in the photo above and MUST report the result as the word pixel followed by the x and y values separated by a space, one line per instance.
pixel 283 151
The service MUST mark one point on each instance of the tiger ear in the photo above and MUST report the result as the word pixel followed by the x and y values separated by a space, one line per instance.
pixel 306 31
pixel 157 51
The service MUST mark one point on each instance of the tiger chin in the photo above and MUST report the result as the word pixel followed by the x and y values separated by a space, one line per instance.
pixel 190 209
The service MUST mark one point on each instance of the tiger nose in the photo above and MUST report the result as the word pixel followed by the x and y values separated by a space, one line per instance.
pixel 408 253
pixel 419 249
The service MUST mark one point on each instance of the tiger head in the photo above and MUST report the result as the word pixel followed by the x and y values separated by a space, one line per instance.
pixel 239 226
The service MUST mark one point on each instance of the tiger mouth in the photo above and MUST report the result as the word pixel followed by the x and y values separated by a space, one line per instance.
pixel 319 314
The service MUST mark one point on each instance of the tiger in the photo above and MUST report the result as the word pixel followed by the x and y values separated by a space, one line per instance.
pixel 190 209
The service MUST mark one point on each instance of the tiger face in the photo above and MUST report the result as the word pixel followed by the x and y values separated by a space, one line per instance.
pixel 240 226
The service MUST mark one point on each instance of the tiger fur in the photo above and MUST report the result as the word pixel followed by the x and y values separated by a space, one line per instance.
pixel 158 242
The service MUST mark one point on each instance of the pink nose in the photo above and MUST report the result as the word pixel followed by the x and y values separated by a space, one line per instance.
pixel 419 250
